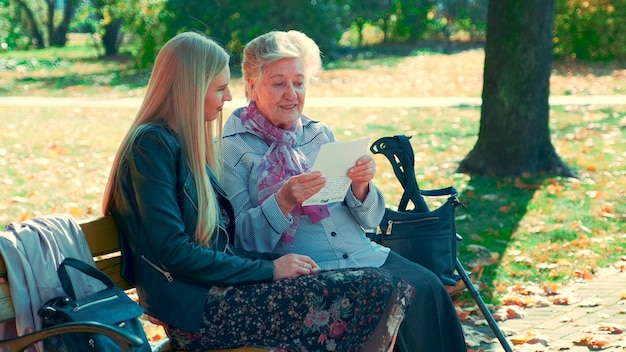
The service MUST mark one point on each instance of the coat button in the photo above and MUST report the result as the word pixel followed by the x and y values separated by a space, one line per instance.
pixel 345 256
pixel 333 233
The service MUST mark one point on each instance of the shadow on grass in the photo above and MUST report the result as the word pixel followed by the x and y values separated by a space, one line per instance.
pixel 116 72
pixel 129 78
pixel 493 210
pixel 387 50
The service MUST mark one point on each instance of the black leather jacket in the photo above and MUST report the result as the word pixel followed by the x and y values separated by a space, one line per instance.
pixel 155 208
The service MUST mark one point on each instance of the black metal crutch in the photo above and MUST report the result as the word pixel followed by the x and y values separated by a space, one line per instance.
pixel 399 152
pixel 483 307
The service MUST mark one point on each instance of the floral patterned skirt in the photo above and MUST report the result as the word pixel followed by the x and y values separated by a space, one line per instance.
pixel 338 310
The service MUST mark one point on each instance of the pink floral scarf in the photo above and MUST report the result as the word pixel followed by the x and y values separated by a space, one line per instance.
pixel 280 162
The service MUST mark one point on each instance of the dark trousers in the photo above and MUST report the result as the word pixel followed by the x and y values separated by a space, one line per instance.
pixel 431 323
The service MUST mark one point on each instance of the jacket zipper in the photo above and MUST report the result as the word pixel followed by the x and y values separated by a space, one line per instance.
pixel 102 300
pixel 167 275
pixel 227 248
pixel 391 222
pixel 195 207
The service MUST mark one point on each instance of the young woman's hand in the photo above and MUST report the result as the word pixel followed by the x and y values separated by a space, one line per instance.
pixel 299 188
pixel 292 265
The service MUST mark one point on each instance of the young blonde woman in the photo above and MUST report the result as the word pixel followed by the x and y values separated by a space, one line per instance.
pixel 176 224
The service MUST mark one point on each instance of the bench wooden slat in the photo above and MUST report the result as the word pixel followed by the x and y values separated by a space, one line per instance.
pixel 112 266
pixel 6 305
pixel 3 269
pixel 101 235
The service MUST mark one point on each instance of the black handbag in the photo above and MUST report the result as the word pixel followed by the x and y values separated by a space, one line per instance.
pixel 424 236
pixel 110 306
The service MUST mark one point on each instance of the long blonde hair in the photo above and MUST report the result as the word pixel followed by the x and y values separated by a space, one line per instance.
pixel 182 71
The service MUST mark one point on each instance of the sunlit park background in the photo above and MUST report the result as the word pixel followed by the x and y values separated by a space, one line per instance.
pixel 526 228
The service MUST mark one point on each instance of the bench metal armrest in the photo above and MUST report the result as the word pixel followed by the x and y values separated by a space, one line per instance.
pixel 123 338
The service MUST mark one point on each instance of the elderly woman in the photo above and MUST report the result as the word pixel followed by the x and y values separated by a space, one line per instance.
pixel 175 222
pixel 268 149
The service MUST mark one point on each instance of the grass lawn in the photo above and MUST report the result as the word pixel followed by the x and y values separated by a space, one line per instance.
pixel 525 229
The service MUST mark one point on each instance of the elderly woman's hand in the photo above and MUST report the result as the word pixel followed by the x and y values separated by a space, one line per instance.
pixel 292 265
pixel 299 188
pixel 361 174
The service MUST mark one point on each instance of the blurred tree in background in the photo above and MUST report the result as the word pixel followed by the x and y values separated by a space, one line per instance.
pixel 590 29
pixel 234 22
pixel 57 33
pixel 12 35
pixel 108 21
pixel 584 29
pixel 376 12
pixel 141 22
pixel 46 13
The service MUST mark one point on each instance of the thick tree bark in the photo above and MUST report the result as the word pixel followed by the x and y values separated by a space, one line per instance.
pixel 514 134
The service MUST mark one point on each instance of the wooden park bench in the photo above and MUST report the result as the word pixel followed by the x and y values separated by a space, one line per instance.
pixel 103 240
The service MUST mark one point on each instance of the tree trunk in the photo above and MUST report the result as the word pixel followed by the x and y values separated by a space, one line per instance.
pixel 360 24
pixel 514 134
pixel 112 37
pixel 50 23
pixel 35 33
pixel 58 35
